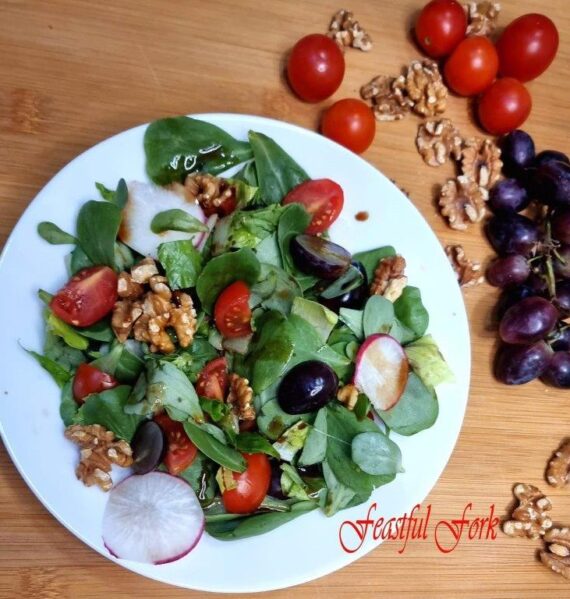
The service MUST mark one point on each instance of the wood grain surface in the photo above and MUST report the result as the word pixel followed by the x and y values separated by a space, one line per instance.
pixel 73 72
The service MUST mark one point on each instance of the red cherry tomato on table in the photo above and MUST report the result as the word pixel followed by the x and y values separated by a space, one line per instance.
pixel 472 67
pixel 252 485
pixel 527 46
pixel 351 123
pixel 505 106
pixel 440 27
pixel 323 200
pixel 315 67
pixel 89 379
pixel 232 313
pixel 87 297
pixel 213 379
pixel 180 451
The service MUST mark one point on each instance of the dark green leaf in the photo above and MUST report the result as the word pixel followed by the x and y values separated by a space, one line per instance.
pixel 201 476
pixel 370 258
pixel 374 453
pixel 182 263
pixel 411 312
pixel 212 448
pixel 338 496
pixel 275 290
pixel 177 146
pixel 353 319
pixel 79 260
pixel 378 316
pixel 273 421
pixel 176 220
pixel 315 448
pixel 215 409
pixel 68 406
pixel 294 220
pixel 248 174
pixel 97 227
pixel 120 363
pixel 106 193
pixel 100 331
pixel 118 197
pixel 362 407
pixel 59 374
pixel 350 280
pixel 54 235
pixel 57 350
pixel 255 443
pixel 401 333
pixel 277 172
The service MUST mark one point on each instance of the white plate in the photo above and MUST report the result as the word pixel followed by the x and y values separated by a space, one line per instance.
pixel 30 425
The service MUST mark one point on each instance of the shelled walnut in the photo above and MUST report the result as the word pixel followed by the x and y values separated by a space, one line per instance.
pixel 240 397
pixel 98 452
pixel 389 279
pixel 437 140
pixel 482 17
pixel 209 191
pixel 348 395
pixel 481 161
pixel 468 271
pixel 346 31
pixel 388 104
pixel 529 518
pixel 462 201
pixel 558 469
pixel 556 556
pixel 423 85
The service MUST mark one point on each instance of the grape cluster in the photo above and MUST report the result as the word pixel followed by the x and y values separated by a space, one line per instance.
pixel 533 263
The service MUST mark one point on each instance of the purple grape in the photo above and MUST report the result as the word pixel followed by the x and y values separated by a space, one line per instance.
pixel 307 387
pixel 512 234
pixel 511 296
pixel 508 195
pixel 562 269
pixel 563 295
pixel 558 371
pixel 510 270
pixel 320 257
pixel 517 152
pixel 519 364
pixel 354 299
pixel 551 184
pixel 538 284
pixel 561 341
pixel 528 321
pixel 275 489
pixel 547 156
pixel 560 222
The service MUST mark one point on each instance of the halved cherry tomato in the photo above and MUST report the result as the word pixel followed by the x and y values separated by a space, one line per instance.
pixel 232 313
pixel 315 67
pixel 527 46
pixel 213 379
pixel 323 200
pixel 180 451
pixel 87 297
pixel 440 27
pixel 349 122
pixel 89 379
pixel 472 66
pixel 505 106
pixel 252 485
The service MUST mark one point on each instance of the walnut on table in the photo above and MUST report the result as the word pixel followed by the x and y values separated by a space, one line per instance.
pixel 423 85
pixel 481 161
pixel 209 191
pixel 346 31
pixel 462 201
pixel 529 519
pixel 482 17
pixel 389 279
pixel 556 556
pixel 437 140
pixel 558 469
pixel 240 397
pixel 98 452
pixel 388 104
pixel 348 395
pixel 468 271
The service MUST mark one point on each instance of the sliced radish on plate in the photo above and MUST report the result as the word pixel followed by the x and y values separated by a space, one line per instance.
pixel 381 371
pixel 145 202
pixel 155 518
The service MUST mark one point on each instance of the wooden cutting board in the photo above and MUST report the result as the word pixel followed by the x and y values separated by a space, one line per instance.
pixel 74 72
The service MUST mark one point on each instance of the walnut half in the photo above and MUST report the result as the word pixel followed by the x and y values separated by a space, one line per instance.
pixel 388 103
pixel 556 556
pixel 481 162
pixel 437 140
pixel 558 470
pixel 389 279
pixel 462 201
pixel 468 271
pixel 346 31
pixel 483 17
pixel 423 84
pixel 530 518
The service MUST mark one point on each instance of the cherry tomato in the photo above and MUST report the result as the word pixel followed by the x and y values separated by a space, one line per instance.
pixel 89 379
pixel 505 106
pixel 87 297
pixel 349 122
pixel 440 27
pixel 315 67
pixel 232 313
pixel 252 485
pixel 472 67
pixel 527 46
pixel 213 379
pixel 323 200
pixel 180 451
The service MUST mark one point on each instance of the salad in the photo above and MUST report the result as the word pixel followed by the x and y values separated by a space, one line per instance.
pixel 215 340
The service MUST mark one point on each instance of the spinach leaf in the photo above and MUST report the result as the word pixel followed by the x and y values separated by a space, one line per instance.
pixel 268 251
pixel 213 430
pixel 201 476
pixel 118 197
pixel 294 220
pixel 353 320
pixel 338 496
pixel 170 387
pixel 176 220
pixel 121 363
pixel 59 374
pixel 216 410
pixel 97 228
pixel 248 174
pixel 411 312
pixel 275 290
pixel 100 331
pixel 58 351
pixel 378 316
pixel 370 258
pixel 68 406
pixel 180 145
pixel 191 360
pixel 107 409
pixel 249 227
pixel 254 443
pixel 374 453
pixel 105 193
pixel 257 524
pixel 401 333
pixel 182 263
pixel 212 448
pixel 277 172
pixel 348 281
pixel 124 257
pixel 318 316
pixel 223 270
pixel 78 260
pixel 315 448
pixel 428 363
pixel 273 421
pixel 416 410
pixel 362 407
pixel 54 235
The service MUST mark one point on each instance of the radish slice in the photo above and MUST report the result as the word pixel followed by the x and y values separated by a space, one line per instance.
pixel 145 202
pixel 155 518
pixel 381 371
